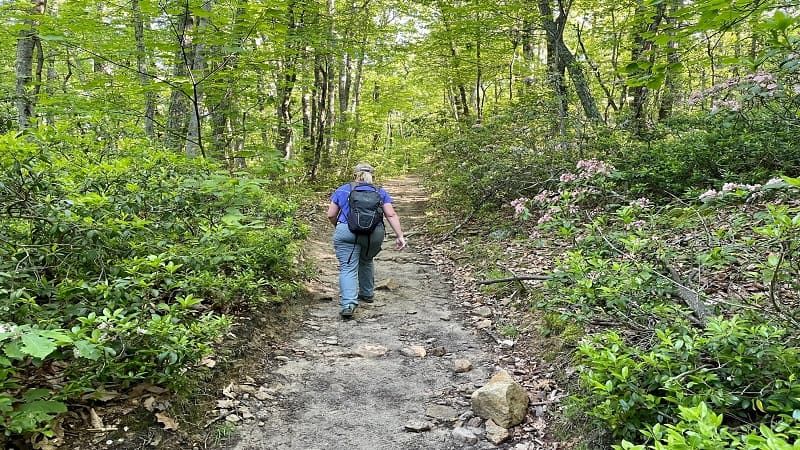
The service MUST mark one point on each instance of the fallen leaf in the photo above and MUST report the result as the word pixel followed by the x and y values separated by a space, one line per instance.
pixel 225 404
pixel 101 395
pixel 169 422
pixel 95 420
pixel 149 403
pixel 228 391
pixel 208 362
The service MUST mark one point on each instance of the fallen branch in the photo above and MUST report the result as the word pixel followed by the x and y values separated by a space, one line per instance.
pixel 691 298
pixel 516 278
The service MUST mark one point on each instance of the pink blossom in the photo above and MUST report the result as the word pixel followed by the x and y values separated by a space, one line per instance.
pixel 544 197
pixel 730 187
pixel 776 180
pixel 545 218
pixel 639 224
pixel 519 206
pixel 643 203
pixel 567 177
pixel 709 194
pixel 796 89
pixel 593 167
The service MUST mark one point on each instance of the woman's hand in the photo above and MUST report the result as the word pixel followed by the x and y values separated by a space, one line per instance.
pixel 401 243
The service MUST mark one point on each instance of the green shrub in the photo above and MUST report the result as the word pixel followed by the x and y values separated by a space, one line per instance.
pixel 117 262
pixel 741 367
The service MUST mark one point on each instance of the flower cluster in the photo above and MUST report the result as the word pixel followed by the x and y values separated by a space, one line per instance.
pixel 734 187
pixel 547 217
pixel 591 167
pixel 546 197
pixel 637 224
pixel 765 84
pixel 519 206
pixel 731 105
pixel 642 203
pixel 566 177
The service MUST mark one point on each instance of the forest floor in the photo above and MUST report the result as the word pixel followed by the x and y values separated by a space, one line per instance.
pixel 393 377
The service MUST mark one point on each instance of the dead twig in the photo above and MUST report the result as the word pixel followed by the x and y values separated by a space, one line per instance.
pixel 516 278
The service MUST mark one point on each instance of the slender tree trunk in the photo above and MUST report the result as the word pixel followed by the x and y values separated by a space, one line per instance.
pixel 596 72
pixel 194 135
pixel 671 81
pixel 461 99
pixel 306 102
pixel 345 83
pixel 564 58
pixel 177 123
pixel 355 111
pixel 27 43
pixel 142 68
pixel 642 45
pixel 479 94
pixel 287 78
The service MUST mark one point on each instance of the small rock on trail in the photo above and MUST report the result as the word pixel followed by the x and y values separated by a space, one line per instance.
pixel 367 383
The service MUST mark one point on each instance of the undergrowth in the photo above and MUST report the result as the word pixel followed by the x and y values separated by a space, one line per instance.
pixel 119 265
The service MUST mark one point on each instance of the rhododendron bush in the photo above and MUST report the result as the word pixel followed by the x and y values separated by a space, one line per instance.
pixel 667 366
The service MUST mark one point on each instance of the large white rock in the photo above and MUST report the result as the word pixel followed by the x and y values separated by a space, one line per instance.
pixel 502 400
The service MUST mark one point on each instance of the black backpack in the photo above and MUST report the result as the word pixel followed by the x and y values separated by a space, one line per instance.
pixel 366 208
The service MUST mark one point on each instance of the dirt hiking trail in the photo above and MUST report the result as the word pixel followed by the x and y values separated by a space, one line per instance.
pixel 359 384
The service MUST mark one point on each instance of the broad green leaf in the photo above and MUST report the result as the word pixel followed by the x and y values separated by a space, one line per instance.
pixel 35 394
pixel 88 350
pixel 37 345
pixel 44 407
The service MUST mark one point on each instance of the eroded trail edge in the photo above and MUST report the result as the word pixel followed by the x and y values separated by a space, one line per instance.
pixel 380 380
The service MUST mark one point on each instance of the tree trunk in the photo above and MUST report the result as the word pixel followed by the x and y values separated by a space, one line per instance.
pixel 177 123
pixel 643 46
pixel 306 101
pixel 27 42
pixel 461 99
pixel 564 58
pixel 355 111
pixel 141 67
pixel 671 82
pixel 194 135
pixel 287 77
pixel 345 83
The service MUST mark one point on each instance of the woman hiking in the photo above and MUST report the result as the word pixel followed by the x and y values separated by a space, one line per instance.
pixel 356 249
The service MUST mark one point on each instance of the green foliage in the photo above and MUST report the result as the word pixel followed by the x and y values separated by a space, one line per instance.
pixel 739 366
pixel 117 262
pixel 24 349
pixel 701 428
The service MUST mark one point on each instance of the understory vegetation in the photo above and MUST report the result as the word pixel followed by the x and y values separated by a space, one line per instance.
pixel 677 282
pixel 119 265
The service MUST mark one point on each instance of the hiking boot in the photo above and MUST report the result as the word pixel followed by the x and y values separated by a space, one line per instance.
pixel 365 299
pixel 347 311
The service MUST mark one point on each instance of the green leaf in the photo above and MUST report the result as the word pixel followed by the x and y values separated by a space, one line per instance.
pixel 791 181
pixel 88 350
pixel 37 346
pixel 35 394
pixel 13 351
pixel 44 407
pixel 52 37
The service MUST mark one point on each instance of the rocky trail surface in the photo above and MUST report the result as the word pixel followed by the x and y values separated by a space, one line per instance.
pixel 399 375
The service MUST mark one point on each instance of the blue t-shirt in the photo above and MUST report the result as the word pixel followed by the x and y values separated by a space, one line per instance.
pixel 340 198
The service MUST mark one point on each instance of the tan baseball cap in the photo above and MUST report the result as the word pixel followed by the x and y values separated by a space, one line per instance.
pixel 363 167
